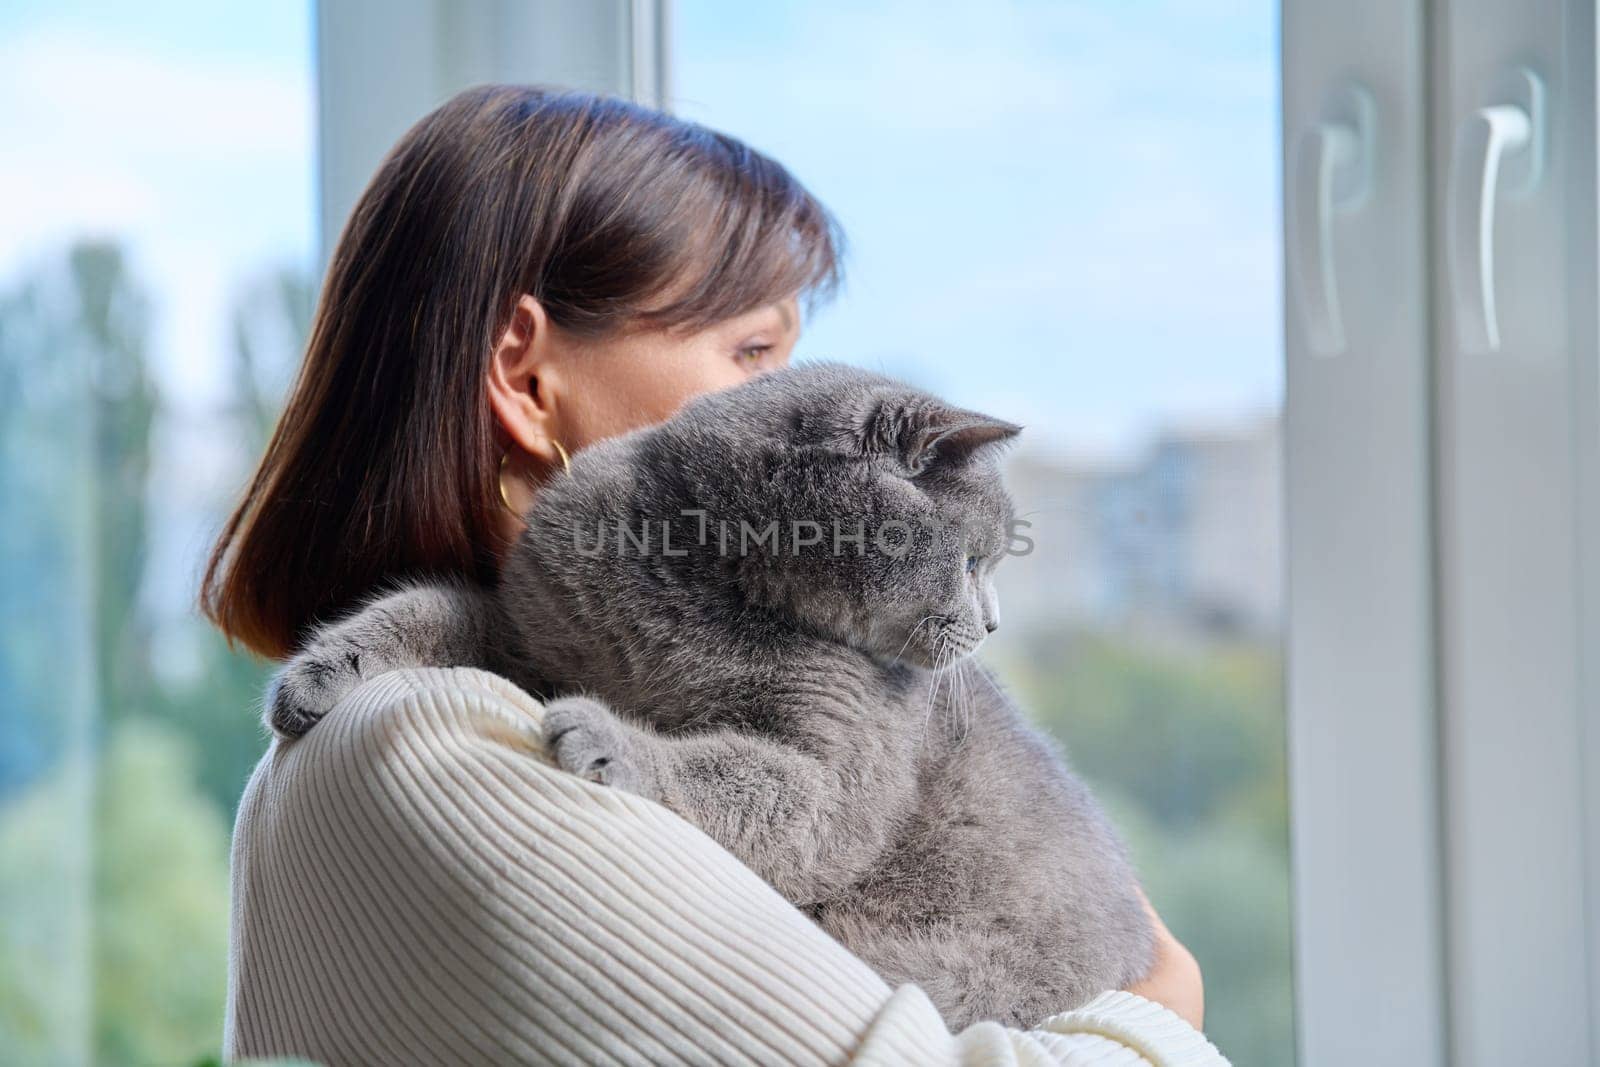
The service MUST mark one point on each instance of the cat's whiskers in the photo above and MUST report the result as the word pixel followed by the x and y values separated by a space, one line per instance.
pixel 956 719
pixel 944 659
pixel 924 621
pixel 952 703
pixel 933 688
pixel 961 699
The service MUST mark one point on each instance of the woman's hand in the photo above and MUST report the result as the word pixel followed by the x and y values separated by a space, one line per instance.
pixel 1174 982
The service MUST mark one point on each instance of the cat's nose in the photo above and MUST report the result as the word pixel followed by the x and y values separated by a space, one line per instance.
pixel 991 624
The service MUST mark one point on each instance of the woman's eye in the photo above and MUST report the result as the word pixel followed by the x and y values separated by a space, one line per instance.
pixel 750 355
pixel 972 564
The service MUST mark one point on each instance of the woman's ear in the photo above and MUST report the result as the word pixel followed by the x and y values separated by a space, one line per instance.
pixel 522 392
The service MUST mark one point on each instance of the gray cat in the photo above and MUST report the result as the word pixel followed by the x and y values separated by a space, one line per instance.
pixel 760 613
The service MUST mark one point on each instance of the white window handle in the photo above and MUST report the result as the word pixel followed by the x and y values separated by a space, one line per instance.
pixel 1498 149
pixel 1332 176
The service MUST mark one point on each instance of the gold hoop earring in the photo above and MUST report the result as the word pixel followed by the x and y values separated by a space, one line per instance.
pixel 505 498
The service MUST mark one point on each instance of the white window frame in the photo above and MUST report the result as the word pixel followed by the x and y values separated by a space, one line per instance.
pixel 1443 508
pixel 383 64
pixel 1357 463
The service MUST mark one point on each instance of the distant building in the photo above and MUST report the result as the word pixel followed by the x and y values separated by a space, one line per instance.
pixel 1188 534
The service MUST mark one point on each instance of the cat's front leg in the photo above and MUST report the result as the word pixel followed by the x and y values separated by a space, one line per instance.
pixel 807 828
pixel 434 624
pixel 588 739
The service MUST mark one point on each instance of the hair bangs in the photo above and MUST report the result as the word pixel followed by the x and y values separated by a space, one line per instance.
pixel 748 235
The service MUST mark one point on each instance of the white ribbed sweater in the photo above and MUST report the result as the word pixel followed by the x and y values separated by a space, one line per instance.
pixel 413 882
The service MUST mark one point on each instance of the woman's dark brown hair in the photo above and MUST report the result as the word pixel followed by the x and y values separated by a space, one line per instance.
pixel 383 464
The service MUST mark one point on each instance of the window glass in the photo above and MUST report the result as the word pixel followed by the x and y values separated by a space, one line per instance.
pixel 1067 214
pixel 156 242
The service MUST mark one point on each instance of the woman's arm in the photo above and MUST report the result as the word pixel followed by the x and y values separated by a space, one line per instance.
pixel 415 882
pixel 1174 980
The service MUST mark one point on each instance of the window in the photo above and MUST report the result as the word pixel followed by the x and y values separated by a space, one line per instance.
pixel 156 245
pixel 1441 448
pixel 1066 213
pixel 1042 225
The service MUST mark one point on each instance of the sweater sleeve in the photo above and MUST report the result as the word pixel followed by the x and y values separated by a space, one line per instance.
pixel 414 882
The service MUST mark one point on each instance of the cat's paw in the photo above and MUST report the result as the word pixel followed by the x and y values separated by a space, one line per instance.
pixel 587 739
pixel 309 686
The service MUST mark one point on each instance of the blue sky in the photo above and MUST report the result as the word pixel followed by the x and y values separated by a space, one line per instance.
pixel 186 135
pixel 1066 211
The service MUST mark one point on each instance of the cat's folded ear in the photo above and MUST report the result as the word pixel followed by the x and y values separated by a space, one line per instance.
pixel 926 434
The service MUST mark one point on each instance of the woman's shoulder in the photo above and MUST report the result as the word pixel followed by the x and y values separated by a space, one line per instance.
pixel 431 703
pixel 423 734
pixel 411 864
pixel 440 764
pixel 384 724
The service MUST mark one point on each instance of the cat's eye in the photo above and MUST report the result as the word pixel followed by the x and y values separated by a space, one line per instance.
pixel 972 564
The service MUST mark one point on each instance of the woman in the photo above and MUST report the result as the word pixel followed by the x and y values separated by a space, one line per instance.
pixel 527 273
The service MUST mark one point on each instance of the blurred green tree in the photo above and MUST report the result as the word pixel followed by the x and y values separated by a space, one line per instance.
pixel 1188 727
pixel 160 902
pixel 42 1006
pixel 158 954
pixel 1183 741
pixel 158 821
pixel 110 315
